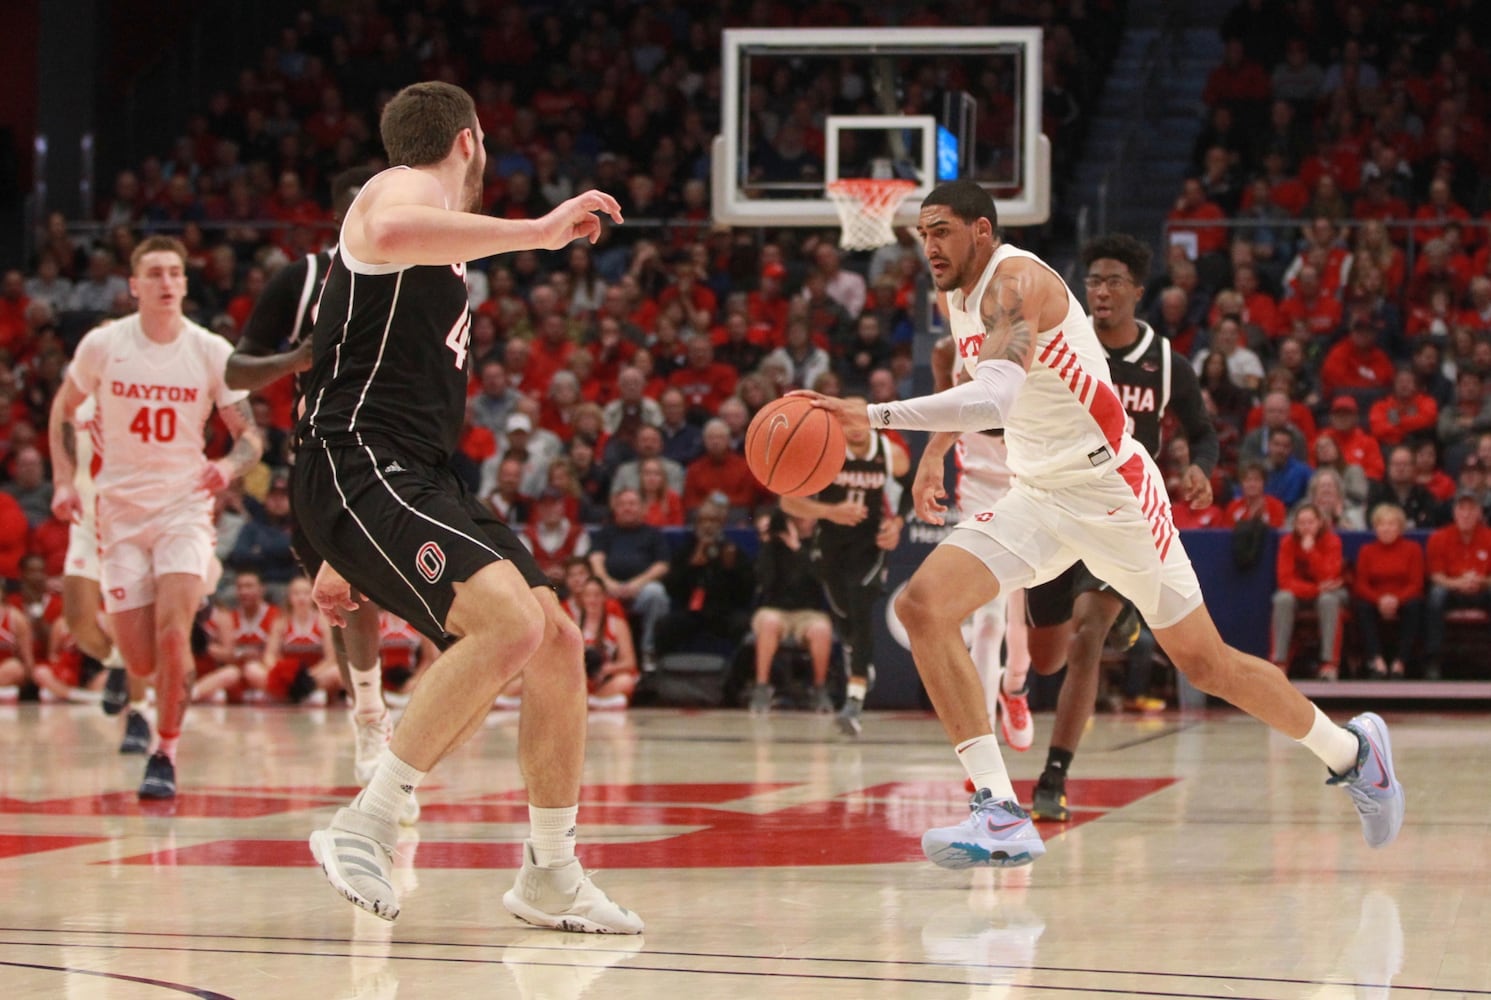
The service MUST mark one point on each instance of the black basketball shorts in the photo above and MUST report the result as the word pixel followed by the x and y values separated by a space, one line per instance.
pixel 1050 603
pixel 401 531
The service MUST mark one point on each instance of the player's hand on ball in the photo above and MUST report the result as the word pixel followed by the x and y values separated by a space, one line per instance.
pixel 334 595
pixel 850 410
pixel 927 490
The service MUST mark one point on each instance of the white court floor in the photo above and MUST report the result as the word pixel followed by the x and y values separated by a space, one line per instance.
pixel 769 857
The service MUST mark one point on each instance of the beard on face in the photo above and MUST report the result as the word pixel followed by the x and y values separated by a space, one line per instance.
pixel 472 186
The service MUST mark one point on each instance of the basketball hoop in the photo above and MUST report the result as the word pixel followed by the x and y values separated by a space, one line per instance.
pixel 867 207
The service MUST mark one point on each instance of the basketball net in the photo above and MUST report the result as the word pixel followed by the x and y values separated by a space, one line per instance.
pixel 867 206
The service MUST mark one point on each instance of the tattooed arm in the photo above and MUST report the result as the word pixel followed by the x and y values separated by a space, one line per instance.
pixel 248 445
pixel 62 435
pixel 1011 310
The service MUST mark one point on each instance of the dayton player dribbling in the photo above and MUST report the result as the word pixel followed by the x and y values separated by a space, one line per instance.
pixel 1083 489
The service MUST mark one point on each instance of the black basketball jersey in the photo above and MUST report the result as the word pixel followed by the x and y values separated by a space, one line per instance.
pixel 391 357
pixel 863 479
pixel 1149 381
pixel 285 313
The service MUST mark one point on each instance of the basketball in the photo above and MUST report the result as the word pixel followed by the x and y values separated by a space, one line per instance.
pixel 793 448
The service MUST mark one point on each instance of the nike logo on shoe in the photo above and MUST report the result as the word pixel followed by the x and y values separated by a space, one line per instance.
pixel 1115 510
pixel 992 827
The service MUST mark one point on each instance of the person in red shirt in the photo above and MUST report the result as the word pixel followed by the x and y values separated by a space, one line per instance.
pixel 1187 219
pixel 548 353
pixel 704 382
pixel 1356 363
pixel 720 470
pixel 1309 312
pixel 1310 570
pixel 1438 211
pixel 767 307
pixel 1388 586
pixel 1428 474
pixel 1238 82
pixel 1459 566
pixel 1407 412
pixel 1252 503
pixel 1357 447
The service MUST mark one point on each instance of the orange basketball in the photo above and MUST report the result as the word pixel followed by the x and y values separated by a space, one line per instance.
pixel 794 448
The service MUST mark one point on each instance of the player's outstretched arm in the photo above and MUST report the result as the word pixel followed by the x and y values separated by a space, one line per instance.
pixel 401 218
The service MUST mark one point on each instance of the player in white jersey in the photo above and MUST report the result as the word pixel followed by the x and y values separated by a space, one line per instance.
pixel 82 601
pixel 1083 489
pixel 983 468
pixel 157 377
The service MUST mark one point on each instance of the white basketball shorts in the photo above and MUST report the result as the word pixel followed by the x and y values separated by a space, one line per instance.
pixel 82 543
pixel 1118 522
pixel 138 546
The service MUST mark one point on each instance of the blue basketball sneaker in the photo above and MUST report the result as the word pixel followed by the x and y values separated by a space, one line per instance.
pixel 1371 784
pixel 997 834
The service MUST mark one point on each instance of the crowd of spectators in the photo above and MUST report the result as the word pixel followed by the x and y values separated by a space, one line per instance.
pixel 1352 311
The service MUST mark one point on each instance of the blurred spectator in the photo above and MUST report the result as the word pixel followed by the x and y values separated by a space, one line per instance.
pixel 551 536
pixel 30 486
pixel 496 400
pixel 1188 222
pixel 1471 479
pixel 710 585
pixel 1469 413
pixel 1243 366
pixel 1171 320
pixel 1327 495
pixel 802 360
pixel 1406 413
pixel 100 288
pixel 1357 365
pixel 1327 455
pixel 1388 587
pixel 1238 83
pixel 1401 489
pixel 1428 474
pixel 844 287
pixel 49 283
pixel 734 344
pixel 721 471
pixel 1276 413
pixel 610 654
pixel 1311 572
pixel 1356 446
pixel 1459 570
pixel 1287 477
pixel 789 606
pixel 662 506
pixel 263 543
pixel 506 498
pixel 649 444
pixel 1310 312
pixel 682 441
pixel 1298 79
pixel 631 559
pixel 704 382
pixel 1252 503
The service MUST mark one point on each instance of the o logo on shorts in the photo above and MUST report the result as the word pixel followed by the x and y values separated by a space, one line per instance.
pixel 430 561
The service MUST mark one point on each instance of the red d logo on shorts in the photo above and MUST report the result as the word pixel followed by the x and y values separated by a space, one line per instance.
pixel 430 561
pixel 117 593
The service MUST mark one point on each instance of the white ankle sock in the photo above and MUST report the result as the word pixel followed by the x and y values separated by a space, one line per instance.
pixel 393 782
pixel 981 759
pixel 142 706
pixel 367 692
pixel 1336 745
pixel 856 688
pixel 552 834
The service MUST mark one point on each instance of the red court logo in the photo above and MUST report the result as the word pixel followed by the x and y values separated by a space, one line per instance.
pixel 430 561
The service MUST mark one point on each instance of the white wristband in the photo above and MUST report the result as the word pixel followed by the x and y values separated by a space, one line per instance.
pixel 978 405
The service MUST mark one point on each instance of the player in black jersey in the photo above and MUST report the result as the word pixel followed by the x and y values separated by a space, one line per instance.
pixel 1072 615
pixel 855 529
pixel 275 342
pixel 385 402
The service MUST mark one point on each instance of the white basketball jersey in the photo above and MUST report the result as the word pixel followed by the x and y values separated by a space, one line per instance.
pixel 153 404
pixel 1066 419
